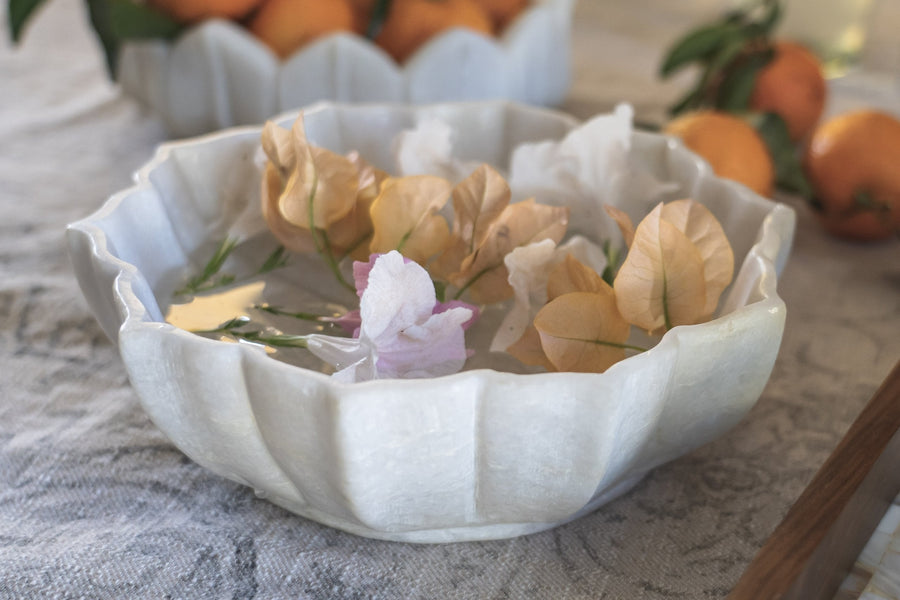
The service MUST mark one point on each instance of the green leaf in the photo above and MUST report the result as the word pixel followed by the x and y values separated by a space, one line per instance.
pixel 440 290
pixel 733 49
pixel 131 21
pixel 772 18
pixel 789 174
pixel 206 280
pixel 686 102
pixel 727 54
pixel 380 12
pixel 737 86
pixel 20 11
pixel 116 21
pixel 276 260
pixel 612 262
pixel 697 45
pixel 735 16
pixel 100 20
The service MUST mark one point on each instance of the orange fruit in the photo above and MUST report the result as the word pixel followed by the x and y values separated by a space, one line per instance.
pixel 793 86
pixel 852 165
pixel 730 145
pixel 411 23
pixel 286 25
pixel 502 12
pixel 188 11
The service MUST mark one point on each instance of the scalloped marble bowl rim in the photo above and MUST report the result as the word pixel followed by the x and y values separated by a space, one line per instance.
pixel 136 322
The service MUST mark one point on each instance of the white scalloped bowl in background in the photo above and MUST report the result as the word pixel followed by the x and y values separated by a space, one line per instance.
pixel 218 74
pixel 477 455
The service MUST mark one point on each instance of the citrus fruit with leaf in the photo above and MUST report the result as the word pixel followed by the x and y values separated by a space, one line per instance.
pixel 286 25
pixel 729 53
pixel 190 11
pixel 792 86
pixel 411 23
pixel 852 164
pixel 743 68
pixel 729 144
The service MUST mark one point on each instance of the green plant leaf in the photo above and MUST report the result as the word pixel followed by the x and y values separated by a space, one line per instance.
pixel 380 12
pixel 692 99
pixel 116 21
pixel 100 20
pixel 276 260
pixel 696 45
pixel 131 21
pixel 731 50
pixel 727 53
pixel 772 18
pixel 207 280
pixel 20 11
pixel 737 85
pixel 789 174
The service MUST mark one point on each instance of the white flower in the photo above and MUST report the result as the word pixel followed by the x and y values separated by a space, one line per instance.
pixel 588 168
pixel 428 150
pixel 400 334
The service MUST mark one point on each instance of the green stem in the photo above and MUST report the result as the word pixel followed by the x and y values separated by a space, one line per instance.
pixel 469 284
pixel 323 247
pixel 276 260
pixel 231 327
pixel 226 327
pixel 440 290
pixel 207 280
pixel 605 343
pixel 204 281
pixel 666 319
pixel 612 262
pixel 333 264
pixel 302 316
pixel 403 241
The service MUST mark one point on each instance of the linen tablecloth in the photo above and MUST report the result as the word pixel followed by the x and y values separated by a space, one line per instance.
pixel 96 503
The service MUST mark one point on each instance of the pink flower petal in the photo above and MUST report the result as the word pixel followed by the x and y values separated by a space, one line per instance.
pixel 442 307
pixel 403 331
pixel 349 322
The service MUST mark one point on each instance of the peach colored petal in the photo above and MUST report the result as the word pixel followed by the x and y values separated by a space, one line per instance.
pixel 278 144
pixel 661 285
pixel 295 239
pixel 518 225
pixel 626 226
pixel 308 174
pixel 528 350
pixel 572 276
pixel 477 202
pixel 327 179
pixel 583 331
pixel 702 228
pixel 406 217
pixel 351 235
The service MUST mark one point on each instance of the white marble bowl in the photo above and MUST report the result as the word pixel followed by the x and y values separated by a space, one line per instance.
pixel 218 75
pixel 477 455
